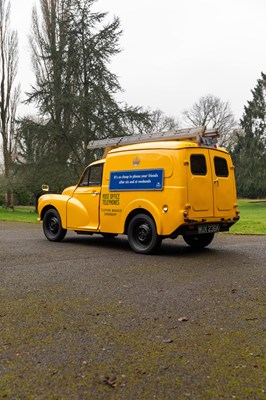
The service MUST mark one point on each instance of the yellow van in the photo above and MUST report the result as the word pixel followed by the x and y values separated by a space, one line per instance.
pixel 149 187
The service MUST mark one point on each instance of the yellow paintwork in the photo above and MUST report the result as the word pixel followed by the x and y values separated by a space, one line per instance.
pixel 205 198
pixel 57 201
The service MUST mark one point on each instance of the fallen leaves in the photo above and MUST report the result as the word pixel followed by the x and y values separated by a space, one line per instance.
pixel 111 382
pixel 167 341
pixel 183 319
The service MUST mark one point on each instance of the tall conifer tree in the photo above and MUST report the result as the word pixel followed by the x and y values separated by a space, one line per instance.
pixel 75 91
pixel 250 150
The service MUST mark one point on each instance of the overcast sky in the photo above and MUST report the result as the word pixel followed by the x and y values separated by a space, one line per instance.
pixel 174 51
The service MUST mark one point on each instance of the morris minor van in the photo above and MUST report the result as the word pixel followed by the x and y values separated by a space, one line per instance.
pixel 149 187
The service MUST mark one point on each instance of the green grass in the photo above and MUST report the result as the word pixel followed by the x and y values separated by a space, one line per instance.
pixel 20 214
pixel 252 216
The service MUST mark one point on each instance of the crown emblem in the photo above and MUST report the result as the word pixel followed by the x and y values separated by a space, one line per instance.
pixel 136 162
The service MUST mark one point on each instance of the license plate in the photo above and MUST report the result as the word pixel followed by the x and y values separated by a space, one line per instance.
pixel 208 228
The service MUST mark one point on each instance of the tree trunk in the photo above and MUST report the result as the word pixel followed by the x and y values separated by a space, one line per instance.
pixel 9 199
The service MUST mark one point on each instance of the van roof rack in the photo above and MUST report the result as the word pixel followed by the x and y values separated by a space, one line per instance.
pixel 207 137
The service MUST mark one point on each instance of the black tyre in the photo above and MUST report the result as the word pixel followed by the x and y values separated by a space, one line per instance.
pixel 142 234
pixel 199 241
pixel 52 226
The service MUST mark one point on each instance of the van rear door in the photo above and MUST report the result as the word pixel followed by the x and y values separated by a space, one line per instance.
pixel 224 193
pixel 199 183
pixel 211 187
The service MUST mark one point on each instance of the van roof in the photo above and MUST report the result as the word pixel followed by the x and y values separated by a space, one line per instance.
pixel 158 145
pixel 154 145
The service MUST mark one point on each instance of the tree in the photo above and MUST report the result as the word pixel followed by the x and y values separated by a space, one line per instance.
pixel 156 121
pixel 34 164
pixel 72 47
pixel 250 150
pixel 9 94
pixel 212 112
pixel 160 122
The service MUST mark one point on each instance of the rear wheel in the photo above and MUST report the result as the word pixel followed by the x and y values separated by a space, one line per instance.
pixel 52 226
pixel 199 241
pixel 142 234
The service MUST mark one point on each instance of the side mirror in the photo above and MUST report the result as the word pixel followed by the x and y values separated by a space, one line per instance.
pixel 45 188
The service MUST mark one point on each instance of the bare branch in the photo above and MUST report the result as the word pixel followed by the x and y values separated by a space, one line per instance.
pixel 212 112
pixel 9 94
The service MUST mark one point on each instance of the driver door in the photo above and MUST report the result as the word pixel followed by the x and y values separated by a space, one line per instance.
pixel 83 207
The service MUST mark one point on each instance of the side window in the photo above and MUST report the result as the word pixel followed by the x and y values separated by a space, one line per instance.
pixel 198 164
pixel 221 168
pixel 95 175
pixel 92 176
pixel 85 179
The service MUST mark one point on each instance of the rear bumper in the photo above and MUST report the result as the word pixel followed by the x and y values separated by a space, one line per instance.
pixel 195 228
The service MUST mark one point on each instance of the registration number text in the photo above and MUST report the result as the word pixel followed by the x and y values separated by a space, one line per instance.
pixel 208 228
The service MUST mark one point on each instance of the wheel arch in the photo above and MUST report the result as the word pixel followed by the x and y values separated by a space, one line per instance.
pixel 137 211
pixel 45 209
pixel 56 202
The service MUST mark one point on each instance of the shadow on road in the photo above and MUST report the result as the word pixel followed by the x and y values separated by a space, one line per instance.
pixel 168 247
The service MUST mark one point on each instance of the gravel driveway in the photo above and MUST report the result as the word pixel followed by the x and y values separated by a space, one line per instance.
pixel 89 319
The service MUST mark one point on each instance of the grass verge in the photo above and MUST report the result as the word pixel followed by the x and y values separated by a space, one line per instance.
pixel 19 214
pixel 252 216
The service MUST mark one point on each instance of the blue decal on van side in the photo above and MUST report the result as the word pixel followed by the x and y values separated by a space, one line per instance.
pixel 142 179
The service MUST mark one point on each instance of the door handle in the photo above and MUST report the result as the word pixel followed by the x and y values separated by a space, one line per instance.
pixel 94 193
pixel 216 181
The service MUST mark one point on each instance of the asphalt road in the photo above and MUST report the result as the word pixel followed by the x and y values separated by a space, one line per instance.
pixel 89 319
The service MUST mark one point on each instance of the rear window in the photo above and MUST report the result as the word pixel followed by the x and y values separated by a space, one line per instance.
pixel 221 168
pixel 198 164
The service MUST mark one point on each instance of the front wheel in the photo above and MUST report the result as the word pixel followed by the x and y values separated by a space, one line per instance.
pixel 52 226
pixel 198 241
pixel 142 234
